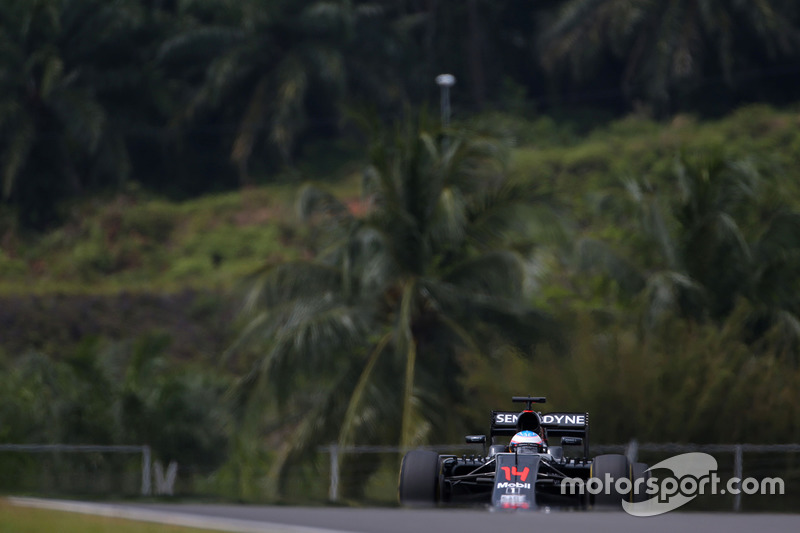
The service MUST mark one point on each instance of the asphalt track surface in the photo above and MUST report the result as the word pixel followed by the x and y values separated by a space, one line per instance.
pixel 250 518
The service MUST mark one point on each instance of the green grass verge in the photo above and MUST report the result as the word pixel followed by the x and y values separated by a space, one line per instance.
pixel 15 519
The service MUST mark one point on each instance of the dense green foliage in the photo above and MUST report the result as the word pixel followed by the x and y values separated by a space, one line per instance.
pixel 104 392
pixel 188 97
pixel 119 393
pixel 603 242
pixel 584 230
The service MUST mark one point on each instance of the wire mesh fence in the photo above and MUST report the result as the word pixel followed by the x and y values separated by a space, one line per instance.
pixel 75 469
pixel 355 474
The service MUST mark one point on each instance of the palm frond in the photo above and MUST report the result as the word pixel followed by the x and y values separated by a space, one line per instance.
pixel 288 281
pixel 83 117
pixel 489 316
pixel 499 273
pixel 370 9
pixel 329 66
pixel 16 155
pixel 495 214
pixel 223 73
pixel 52 73
pixel 350 420
pixel 313 201
pixel 287 110
pixel 314 421
pixel 668 293
pixel 371 260
pixel 729 230
pixel 654 223
pixel 594 256
pixel 448 225
pixel 199 42
pixel 250 123
pixel 301 336
pixel 572 30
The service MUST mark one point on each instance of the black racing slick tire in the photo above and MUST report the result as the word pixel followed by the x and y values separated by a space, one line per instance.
pixel 419 478
pixel 639 471
pixel 615 467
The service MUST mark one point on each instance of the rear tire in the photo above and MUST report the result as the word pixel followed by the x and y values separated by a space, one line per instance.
pixel 419 478
pixel 639 471
pixel 617 467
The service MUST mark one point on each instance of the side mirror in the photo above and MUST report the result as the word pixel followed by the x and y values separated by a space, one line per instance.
pixel 571 441
pixel 477 439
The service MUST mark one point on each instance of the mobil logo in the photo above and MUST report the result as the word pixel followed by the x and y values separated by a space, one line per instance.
pixel 507 485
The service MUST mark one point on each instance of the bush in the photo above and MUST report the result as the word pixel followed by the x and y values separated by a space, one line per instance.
pixel 12 267
pixel 115 393
pixel 153 221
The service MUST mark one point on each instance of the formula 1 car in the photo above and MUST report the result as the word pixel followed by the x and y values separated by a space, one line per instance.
pixel 518 475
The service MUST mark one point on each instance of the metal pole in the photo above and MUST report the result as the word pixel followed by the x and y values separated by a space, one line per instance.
pixel 146 471
pixel 445 106
pixel 445 81
pixel 333 493
pixel 737 473
pixel 632 451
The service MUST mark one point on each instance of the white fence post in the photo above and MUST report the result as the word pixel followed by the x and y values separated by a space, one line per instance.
pixel 333 492
pixel 146 459
pixel 165 481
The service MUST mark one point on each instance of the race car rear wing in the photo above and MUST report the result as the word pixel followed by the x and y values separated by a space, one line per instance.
pixel 504 423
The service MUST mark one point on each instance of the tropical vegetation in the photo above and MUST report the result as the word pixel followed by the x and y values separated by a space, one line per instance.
pixel 238 231
pixel 357 337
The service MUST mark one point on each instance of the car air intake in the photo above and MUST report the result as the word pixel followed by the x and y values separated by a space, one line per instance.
pixel 529 421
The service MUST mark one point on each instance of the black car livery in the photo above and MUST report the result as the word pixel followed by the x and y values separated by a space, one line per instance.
pixel 515 477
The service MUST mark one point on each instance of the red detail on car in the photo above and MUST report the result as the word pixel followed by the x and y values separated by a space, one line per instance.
pixel 512 471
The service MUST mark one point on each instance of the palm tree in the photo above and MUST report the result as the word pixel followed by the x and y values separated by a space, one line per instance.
pixel 366 341
pixel 708 246
pixel 274 69
pixel 773 285
pixel 663 45
pixel 66 79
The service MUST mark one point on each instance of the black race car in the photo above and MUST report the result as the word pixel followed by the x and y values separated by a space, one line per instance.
pixel 518 475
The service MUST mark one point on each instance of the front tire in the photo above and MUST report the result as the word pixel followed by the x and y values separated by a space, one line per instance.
pixel 419 478
pixel 616 467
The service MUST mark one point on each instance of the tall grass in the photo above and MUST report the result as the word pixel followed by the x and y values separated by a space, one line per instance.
pixel 686 382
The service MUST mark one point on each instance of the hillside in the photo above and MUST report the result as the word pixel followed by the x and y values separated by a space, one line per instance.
pixel 134 242
pixel 142 295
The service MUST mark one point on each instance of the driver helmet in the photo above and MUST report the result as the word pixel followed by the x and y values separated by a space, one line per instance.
pixel 526 441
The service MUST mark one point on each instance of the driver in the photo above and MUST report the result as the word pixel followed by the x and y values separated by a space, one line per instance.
pixel 526 442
